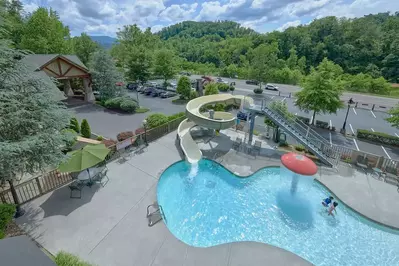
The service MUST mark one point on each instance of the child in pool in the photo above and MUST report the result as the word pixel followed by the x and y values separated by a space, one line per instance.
pixel 327 201
pixel 332 208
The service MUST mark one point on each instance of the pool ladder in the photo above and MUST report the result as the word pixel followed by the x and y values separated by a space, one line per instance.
pixel 155 214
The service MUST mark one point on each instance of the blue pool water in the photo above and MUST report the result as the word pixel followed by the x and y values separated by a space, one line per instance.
pixel 208 205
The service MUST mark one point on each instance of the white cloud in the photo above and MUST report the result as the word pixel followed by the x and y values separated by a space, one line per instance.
pixel 289 24
pixel 106 16
pixel 178 13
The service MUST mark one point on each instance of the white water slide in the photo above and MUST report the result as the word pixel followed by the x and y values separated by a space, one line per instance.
pixel 220 120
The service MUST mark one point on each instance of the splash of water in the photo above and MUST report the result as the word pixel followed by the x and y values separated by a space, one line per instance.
pixel 193 171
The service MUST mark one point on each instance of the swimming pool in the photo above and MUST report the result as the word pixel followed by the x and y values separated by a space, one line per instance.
pixel 208 206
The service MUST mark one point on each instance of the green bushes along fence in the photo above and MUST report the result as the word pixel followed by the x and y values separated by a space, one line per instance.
pixel 378 137
pixel 7 211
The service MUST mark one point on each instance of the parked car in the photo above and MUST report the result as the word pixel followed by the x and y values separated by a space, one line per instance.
pixel 242 115
pixel 220 80
pixel 185 73
pixel 132 86
pixel 168 94
pixel 156 93
pixel 252 82
pixel 141 89
pixel 152 83
pixel 148 91
pixel 271 87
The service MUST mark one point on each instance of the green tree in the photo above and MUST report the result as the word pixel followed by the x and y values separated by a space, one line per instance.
pixel 184 87
pixel 32 120
pixel 74 125
pixel 263 60
pixel 12 12
pixel 394 118
pixel 139 64
pixel 321 91
pixel 211 88
pixel 164 64
pixel 105 75
pixel 84 47
pixel 292 61
pixel 44 33
pixel 85 129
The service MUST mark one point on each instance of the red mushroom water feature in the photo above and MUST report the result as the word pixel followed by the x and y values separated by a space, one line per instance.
pixel 298 165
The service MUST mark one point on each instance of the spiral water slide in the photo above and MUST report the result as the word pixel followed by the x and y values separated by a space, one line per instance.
pixel 220 120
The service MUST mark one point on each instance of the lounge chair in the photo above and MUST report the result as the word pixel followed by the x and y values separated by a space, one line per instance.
pixel 257 146
pixel 237 143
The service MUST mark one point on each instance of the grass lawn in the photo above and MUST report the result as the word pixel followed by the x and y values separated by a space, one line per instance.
pixel 142 110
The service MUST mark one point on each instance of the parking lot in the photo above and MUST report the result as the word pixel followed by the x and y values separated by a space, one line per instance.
pixel 109 124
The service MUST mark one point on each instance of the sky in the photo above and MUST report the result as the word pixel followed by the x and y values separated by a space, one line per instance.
pixel 105 17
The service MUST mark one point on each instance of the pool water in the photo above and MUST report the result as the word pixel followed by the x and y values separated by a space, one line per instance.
pixel 206 205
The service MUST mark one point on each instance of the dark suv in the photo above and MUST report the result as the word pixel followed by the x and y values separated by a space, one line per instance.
pixel 252 82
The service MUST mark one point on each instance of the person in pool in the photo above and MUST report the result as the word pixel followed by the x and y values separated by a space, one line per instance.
pixel 332 208
pixel 327 201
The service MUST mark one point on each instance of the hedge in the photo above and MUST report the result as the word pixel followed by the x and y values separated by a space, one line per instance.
pixel 223 87
pixel 7 211
pixel 156 120
pixel 125 104
pixel 176 116
pixel 378 137
pixel 129 106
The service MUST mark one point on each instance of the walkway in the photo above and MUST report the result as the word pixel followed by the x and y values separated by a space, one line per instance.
pixel 107 226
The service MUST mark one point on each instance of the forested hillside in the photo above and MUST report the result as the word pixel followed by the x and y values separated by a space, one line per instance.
pixel 362 45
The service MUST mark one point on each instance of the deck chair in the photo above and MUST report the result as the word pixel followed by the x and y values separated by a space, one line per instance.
pixel 362 162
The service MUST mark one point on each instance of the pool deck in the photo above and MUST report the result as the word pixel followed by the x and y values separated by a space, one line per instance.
pixel 107 226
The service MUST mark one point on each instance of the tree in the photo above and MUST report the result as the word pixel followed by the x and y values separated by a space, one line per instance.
pixel 84 47
pixel 74 125
pixel 85 129
pixel 394 118
pixel 139 64
pixel 164 63
pixel 184 87
pixel 105 75
pixel 211 88
pixel 321 91
pixel 12 12
pixel 264 59
pixel 32 120
pixel 44 33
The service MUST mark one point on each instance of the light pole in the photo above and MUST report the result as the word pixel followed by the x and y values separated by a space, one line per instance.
pixel 343 130
pixel 145 131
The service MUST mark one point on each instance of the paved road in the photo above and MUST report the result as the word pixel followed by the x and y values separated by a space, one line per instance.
pixel 286 89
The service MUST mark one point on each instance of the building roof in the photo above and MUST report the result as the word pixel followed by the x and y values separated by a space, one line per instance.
pixel 36 61
pixel 21 251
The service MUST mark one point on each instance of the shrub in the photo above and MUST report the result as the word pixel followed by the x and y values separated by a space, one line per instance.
pixel 108 142
pixel 7 211
pixel 128 106
pixel 74 125
pixel 85 129
pixel 378 137
pixel 67 259
pixel 299 148
pixel 193 95
pixel 184 87
pixel 114 102
pixel 70 137
pixel 175 116
pixel 211 88
pixel 258 91
pixel 232 88
pixel 156 120
pixel 139 131
pixel 223 87
pixel 219 107
pixel 124 135
pixel 100 138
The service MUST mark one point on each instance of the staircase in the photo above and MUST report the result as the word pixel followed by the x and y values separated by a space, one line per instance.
pixel 301 132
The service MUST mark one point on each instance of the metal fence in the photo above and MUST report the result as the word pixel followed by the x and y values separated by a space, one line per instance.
pixel 36 187
pixel 52 180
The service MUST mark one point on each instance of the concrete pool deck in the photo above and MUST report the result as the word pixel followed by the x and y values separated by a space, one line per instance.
pixel 107 226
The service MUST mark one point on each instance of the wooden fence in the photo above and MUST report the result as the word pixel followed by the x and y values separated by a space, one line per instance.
pixel 52 180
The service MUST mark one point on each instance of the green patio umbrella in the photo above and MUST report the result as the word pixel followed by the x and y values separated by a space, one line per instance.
pixel 84 158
